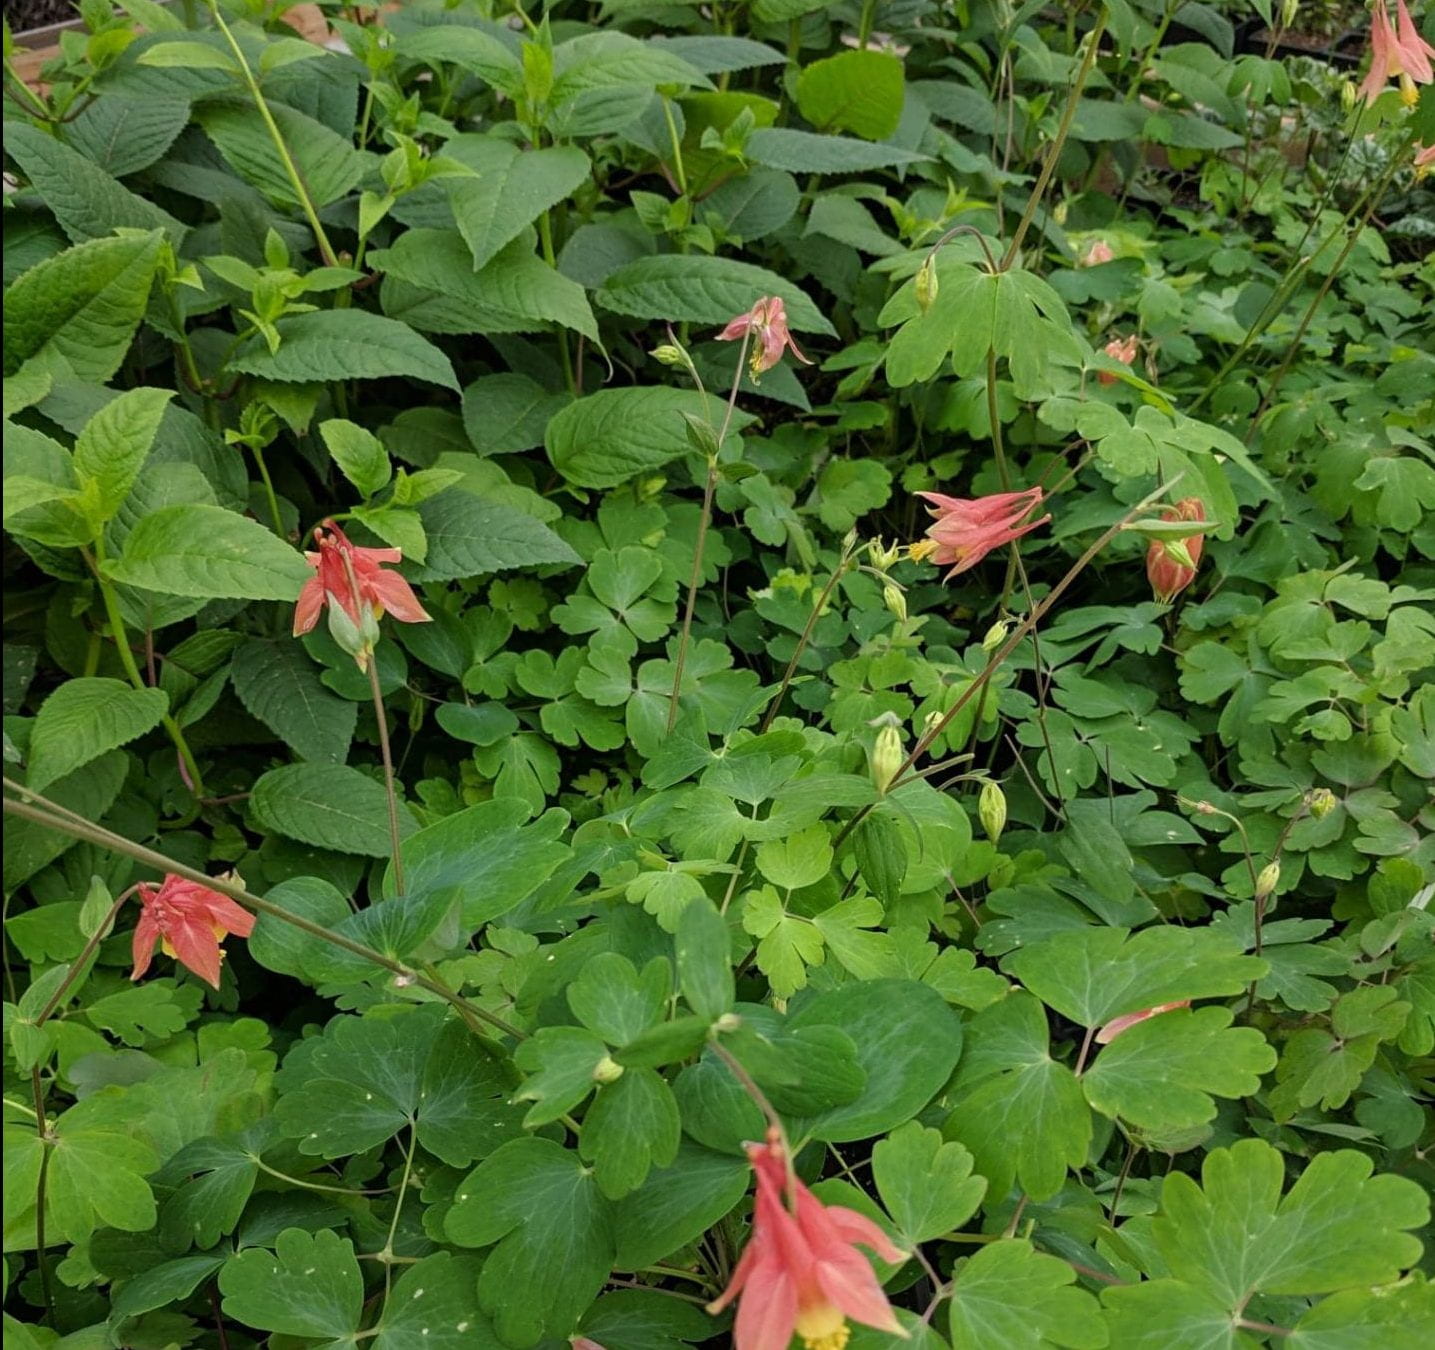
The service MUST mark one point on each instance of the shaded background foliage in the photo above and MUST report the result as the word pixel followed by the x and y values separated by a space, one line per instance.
pixel 436 324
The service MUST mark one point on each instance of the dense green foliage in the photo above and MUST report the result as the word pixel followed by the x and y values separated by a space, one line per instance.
pixel 493 1092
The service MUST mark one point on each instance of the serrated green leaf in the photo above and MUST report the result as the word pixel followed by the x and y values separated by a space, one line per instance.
pixel 512 189
pixel 86 717
pixel 348 344
pixel 113 445
pixel 194 549
pixel 279 684
pixel 857 91
pixel 81 307
pixel 327 805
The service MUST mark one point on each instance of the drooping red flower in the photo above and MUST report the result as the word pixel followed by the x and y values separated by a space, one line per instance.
pixel 189 920
pixel 965 531
pixel 1396 50
pixel 1124 350
pixel 355 581
pixel 1170 576
pixel 801 1273
pixel 1126 1021
pixel 767 322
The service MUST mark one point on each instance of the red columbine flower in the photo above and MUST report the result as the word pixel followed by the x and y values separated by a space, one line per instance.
pixel 767 322
pixel 1169 576
pixel 1099 252
pixel 1126 1021
pixel 357 589
pixel 1396 50
pixel 965 531
pixel 801 1273
pixel 189 920
pixel 1124 350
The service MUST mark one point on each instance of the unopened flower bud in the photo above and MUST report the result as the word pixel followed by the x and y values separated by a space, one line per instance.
pixel 607 1070
pixel 1289 10
pixel 1267 880
pixel 991 808
pixel 669 355
pixel 358 639
pixel 895 601
pixel 883 556
pixel 726 1023
pixel 926 285
pixel 1322 803
pixel 1348 95
pixel 887 756
pixel 996 635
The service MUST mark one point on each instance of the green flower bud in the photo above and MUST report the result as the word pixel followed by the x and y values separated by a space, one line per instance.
pixel 887 756
pixel 607 1070
pixel 926 285
pixel 1268 879
pixel 669 355
pixel 895 601
pixel 996 635
pixel 991 808
pixel 1322 803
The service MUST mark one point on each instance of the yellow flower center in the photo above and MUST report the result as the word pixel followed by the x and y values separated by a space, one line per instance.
pixel 921 550
pixel 1409 94
pixel 823 1328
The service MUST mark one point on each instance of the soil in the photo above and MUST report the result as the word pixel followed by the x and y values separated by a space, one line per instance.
pixel 22 15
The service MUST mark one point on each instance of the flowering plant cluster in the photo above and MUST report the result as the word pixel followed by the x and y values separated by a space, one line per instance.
pixel 749 675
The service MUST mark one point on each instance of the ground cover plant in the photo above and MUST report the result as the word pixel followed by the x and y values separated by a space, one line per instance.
pixel 752 673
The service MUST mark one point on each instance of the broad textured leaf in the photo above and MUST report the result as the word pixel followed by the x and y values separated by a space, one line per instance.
pixel 87 202
pixel 193 549
pixel 610 436
pixel 367 1078
pixel 513 188
pixel 807 152
pixel 327 805
pixel 926 1185
pixel 469 537
pixel 1234 1233
pixel 280 685
pixel 554 1232
pixel 631 1127
pixel 83 719
pixel 309 1285
pixel 115 442
pixel 508 412
pixel 1160 1075
pixel 907 1042
pixel 89 792
pixel 327 161
pixel 677 1204
pixel 1096 974
pixel 1022 1114
pixel 516 292
pixel 345 344
pixel 857 91
pixel 1013 1296
pixel 124 135
pixel 606 60
pixel 81 306
pixel 700 289
pixel 97 1177
pixel 435 1307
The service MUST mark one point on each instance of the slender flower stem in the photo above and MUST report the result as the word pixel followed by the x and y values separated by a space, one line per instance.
pixel 57 817
pixel 118 631
pixel 381 717
pixel 1374 199
pixel 275 518
pixel 47 1140
pixel 80 964
pixel 1048 168
pixel 387 1255
pixel 818 610
pixel 704 523
pixel 291 169
pixel 1037 613
pixel 759 1098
